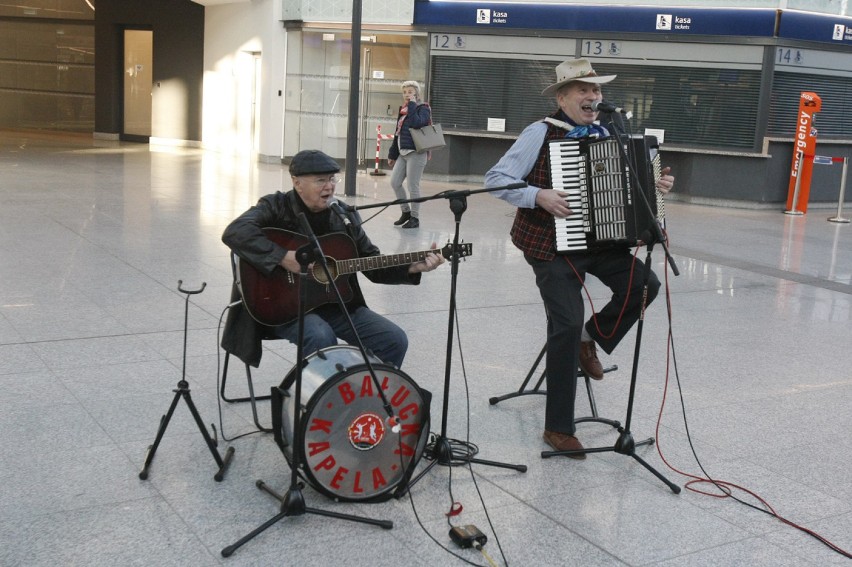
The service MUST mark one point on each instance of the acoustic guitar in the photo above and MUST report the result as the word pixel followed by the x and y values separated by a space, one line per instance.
pixel 274 300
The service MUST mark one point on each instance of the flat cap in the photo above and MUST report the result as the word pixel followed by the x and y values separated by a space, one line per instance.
pixel 312 161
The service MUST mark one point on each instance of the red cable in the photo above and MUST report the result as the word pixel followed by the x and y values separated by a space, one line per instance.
pixel 725 487
pixel 592 303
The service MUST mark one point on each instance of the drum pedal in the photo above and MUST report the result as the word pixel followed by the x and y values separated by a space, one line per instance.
pixel 467 536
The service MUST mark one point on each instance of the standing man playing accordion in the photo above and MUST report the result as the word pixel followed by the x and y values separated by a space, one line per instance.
pixel 570 341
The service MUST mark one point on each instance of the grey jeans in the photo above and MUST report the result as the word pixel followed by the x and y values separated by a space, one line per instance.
pixel 409 166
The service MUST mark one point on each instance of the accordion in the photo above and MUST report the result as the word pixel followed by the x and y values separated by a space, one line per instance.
pixel 603 182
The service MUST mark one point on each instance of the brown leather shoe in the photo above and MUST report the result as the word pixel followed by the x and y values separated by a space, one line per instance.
pixel 564 442
pixel 589 362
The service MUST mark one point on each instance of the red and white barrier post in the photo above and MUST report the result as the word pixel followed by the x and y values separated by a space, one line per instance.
pixel 839 216
pixel 379 138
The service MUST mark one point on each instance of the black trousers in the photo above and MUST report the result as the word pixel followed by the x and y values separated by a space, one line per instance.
pixel 560 282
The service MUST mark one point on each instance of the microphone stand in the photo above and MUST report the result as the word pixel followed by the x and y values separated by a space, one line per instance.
pixel 625 444
pixel 441 452
pixel 293 503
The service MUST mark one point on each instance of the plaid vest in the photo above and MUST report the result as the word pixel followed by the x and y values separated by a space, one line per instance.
pixel 533 230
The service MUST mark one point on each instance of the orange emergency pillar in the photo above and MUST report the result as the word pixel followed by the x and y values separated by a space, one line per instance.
pixel 803 153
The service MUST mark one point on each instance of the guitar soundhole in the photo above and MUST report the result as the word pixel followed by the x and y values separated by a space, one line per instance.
pixel 319 273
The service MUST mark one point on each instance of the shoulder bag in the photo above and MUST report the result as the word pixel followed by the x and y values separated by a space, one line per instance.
pixel 428 138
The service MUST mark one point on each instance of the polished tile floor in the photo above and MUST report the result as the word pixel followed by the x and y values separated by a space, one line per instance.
pixel 746 378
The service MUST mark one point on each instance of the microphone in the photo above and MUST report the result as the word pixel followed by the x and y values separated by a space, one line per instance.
pixel 608 107
pixel 342 205
pixel 393 421
pixel 335 206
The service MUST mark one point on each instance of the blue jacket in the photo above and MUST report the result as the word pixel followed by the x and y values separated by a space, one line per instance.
pixel 419 115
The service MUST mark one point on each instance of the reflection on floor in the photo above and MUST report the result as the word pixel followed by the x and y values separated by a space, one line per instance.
pixel 755 383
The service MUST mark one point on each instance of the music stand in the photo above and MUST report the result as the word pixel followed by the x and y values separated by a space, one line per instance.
pixel 182 391
pixel 293 503
pixel 625 444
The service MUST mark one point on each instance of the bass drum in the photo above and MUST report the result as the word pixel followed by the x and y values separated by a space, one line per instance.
pixel 348 451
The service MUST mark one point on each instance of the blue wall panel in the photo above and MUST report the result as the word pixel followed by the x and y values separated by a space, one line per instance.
pixel 675 21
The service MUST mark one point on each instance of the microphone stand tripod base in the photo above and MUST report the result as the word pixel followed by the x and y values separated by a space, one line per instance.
pixel 442 451
pixel 625 445
pixel 293 504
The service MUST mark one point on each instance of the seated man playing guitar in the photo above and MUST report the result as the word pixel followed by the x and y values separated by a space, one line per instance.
pixel 265 239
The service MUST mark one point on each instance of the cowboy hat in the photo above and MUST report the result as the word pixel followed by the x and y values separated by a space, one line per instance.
pixel 575 70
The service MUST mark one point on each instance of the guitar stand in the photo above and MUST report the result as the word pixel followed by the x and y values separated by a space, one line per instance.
pixel 182 391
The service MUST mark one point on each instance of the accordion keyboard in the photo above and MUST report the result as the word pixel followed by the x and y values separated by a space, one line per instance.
pixel 568 173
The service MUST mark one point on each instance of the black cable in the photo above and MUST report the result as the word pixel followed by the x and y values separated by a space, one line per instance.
pixel 461 453
pixel 469 464
pixel 426 531
pixel 723 486
pixel 428 455
pixel 374 215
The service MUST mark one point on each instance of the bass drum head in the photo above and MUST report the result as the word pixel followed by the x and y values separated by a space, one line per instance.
pixel 349 451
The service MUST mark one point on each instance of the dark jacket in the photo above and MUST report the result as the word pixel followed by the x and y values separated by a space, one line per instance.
pixel 419 115
pixel 242 335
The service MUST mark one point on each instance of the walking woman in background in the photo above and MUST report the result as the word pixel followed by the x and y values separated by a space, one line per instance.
pixel 403 156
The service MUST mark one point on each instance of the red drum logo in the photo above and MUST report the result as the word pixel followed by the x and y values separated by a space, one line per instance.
pixel 366 431
pixel 349 450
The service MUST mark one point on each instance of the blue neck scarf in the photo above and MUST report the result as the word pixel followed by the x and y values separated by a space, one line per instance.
pixel 584 131
pixel 587 131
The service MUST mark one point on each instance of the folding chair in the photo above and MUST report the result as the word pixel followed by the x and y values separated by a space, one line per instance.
pixel 251 397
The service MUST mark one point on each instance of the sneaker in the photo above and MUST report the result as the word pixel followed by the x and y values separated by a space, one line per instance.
pixel 564 442
pixel 413 222
pixel 403 219
pixel 589 362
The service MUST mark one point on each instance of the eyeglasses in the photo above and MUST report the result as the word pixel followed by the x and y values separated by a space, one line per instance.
pixel 323 181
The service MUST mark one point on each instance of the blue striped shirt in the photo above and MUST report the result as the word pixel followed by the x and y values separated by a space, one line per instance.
pixel 515 165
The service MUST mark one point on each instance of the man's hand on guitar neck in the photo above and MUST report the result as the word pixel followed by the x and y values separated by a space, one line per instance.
pixel 432 261
pixel 429 263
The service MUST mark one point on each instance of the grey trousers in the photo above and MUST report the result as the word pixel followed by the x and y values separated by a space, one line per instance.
pixel 410 167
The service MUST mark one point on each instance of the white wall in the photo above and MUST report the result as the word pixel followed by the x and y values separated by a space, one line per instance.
pixel 399 12
pixel 232 33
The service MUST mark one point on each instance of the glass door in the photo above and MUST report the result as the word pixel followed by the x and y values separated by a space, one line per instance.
pixel 138 79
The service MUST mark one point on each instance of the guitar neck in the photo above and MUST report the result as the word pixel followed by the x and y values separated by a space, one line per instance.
pixel 383 261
